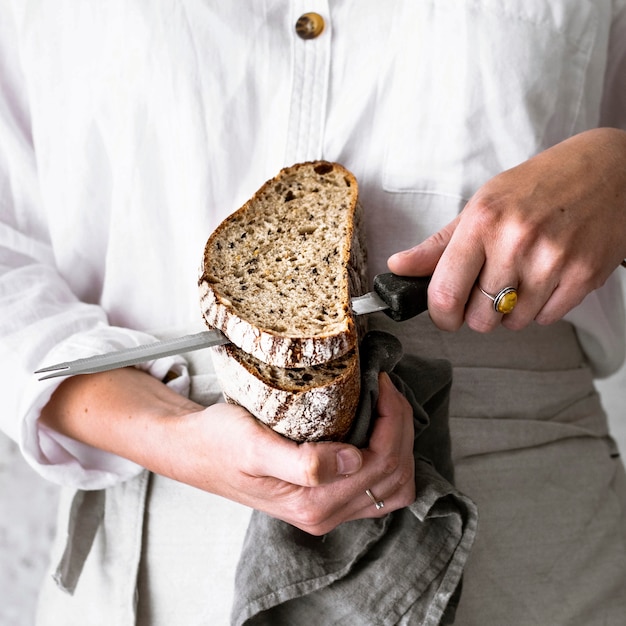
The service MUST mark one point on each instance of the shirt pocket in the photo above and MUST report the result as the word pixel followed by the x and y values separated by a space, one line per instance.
pixel 480 86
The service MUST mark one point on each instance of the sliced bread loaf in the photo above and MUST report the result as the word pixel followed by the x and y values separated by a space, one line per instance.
pixel 277 278
pixel 305 404
pixel 278 274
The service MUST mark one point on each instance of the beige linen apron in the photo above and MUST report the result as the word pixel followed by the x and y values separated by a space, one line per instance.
pixel 531 448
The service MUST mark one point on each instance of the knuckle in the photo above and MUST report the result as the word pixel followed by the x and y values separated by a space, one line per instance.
pixel 484 209
pixel 490 213
pixel 320 530
pixel 406 484
pixel 519 236
pixel 439 239
pixel 310 466
pixel 309 518
pixel 391 463
pixel 445 301
pixel 407 474
pixel 250 458
pixel 312 520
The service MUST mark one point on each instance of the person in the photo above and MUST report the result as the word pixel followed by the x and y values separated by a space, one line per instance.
pixel 489 142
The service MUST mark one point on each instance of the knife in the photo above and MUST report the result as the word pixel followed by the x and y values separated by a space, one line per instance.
pixel 400 297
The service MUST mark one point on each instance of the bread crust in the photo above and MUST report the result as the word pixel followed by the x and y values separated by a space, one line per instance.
pixel 271 347
pixel 304 386
pixel 264 343
pixel 320 412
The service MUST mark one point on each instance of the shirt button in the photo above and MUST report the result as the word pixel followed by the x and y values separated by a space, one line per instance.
pixel 310 25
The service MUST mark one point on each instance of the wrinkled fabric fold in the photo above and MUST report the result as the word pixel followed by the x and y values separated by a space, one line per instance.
pixel 403 568
pixel 86 514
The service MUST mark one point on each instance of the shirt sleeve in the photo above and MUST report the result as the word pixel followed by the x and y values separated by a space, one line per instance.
pixel 41 321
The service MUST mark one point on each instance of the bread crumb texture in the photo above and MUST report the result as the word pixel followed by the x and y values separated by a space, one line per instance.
pixel 277 279
pixel 277 275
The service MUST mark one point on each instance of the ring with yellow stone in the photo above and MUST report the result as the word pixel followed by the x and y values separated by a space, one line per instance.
pixel 504 301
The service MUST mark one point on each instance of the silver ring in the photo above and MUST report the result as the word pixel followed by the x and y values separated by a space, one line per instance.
pixel 504 301
pixel 379 504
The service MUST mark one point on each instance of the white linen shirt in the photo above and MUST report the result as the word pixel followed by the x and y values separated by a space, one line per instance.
pixel 130 129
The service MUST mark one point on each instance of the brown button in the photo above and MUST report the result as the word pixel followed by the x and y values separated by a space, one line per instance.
pixel 310 25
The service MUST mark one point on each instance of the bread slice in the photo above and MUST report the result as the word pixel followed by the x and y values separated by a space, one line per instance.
pixel 277 278
pixel 278 274
pixel 304 404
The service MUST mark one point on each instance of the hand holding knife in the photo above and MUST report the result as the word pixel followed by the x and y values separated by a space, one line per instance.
pixel 400 297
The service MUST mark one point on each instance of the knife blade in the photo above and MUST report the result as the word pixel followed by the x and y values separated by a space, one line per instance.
pixel 400 297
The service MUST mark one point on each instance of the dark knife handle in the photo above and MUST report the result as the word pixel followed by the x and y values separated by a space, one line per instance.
pixel 406 296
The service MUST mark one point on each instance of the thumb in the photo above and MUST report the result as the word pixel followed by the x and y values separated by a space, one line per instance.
pixel 306 464
pixel 422 259
pixel 324 462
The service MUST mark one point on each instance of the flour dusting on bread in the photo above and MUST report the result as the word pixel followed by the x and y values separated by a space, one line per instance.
pixel 278 274
pixel 305 404
pixel 277 279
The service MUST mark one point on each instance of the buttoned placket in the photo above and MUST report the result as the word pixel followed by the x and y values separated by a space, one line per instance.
pixel 310 83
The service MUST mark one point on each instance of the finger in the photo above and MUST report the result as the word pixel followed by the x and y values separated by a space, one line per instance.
pixel 454 260
pixel 489 306
pixel 306 464
pixel 390 493
pixel 498 287
pixel 389 437
pixel 388 467
pixel 313 464
pixel 567 294
pixel 392 444
pixel 540 276
pixel 454 278
pixel 552 285
pixel 422 259
pixel 387 464
pixel 383 502
pixel 532 297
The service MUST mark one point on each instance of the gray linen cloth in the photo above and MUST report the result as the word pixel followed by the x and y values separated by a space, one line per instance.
pixel 403 568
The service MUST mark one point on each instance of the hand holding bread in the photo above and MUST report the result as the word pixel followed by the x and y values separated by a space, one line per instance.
pixel 310 359
pixel 314 486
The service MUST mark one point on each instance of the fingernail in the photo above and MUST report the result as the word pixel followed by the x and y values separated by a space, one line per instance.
pixel 348 461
